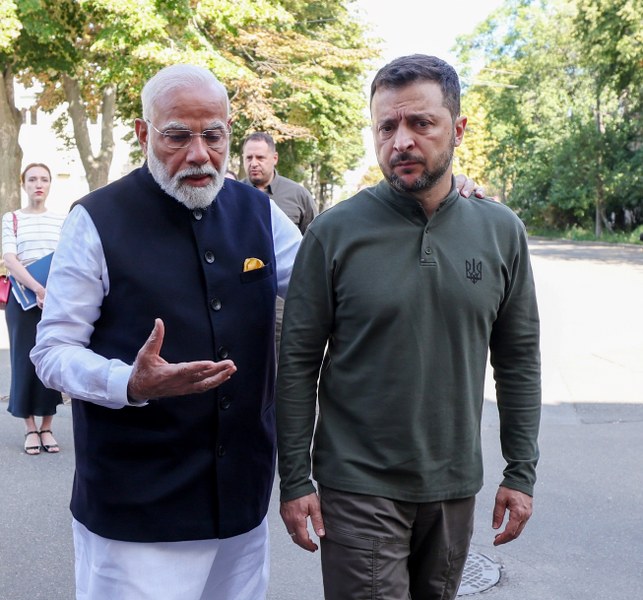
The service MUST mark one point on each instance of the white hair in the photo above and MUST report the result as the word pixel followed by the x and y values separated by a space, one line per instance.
pixel 176 77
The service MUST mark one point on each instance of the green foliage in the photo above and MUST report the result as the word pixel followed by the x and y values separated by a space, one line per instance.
pixel 558 107
pixel 293 68
pixel 302 81
pixel 579 234
pixel 610 33
pixel 10 25
pixel 372 176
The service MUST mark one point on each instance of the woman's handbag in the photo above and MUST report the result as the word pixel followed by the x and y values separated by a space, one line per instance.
pixel 5 284
pixel 5 290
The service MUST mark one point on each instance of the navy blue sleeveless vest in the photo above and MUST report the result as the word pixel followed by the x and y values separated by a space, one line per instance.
pixel 190 467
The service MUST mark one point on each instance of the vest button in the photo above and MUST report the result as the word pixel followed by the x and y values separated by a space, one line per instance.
pixel 223 353
pixel 220 451
pixel 225 403
pixel 428 251
pixel 209 256
pixel 215 304
pixel 197 213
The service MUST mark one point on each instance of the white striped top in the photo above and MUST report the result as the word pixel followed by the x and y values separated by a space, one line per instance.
pixel 37 234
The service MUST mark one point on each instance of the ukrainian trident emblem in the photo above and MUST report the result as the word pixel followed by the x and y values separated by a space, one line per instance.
pixel 474 270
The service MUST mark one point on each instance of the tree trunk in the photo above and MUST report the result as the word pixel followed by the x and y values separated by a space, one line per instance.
pixel 10 123
pixel 96 166
pixel 600 218
pixel 325 196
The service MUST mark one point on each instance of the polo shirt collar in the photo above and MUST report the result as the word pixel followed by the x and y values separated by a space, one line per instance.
pixel 407 205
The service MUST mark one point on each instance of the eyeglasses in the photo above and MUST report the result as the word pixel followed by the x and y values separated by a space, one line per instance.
pixel 182 138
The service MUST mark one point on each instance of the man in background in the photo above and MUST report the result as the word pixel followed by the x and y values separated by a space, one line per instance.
pixel 260 158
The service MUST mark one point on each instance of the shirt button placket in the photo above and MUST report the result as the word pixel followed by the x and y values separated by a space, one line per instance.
pixel 427 258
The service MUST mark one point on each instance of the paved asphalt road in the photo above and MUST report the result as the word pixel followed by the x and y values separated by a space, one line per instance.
pixel 585 540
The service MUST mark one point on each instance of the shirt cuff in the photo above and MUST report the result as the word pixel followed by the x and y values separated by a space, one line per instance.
pixel 118 379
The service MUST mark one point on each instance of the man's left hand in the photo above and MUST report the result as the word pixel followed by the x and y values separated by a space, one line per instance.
pixel 468 186
pixel 520 507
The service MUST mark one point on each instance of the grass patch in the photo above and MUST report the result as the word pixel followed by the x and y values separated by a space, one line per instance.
pixel 578 234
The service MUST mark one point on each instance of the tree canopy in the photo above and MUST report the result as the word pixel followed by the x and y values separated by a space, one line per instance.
pixel 292 68
pixel 555 126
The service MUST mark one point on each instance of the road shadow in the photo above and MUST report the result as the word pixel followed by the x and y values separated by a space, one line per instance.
pixel 631 254
pixel 583 540
pixel 582 496
pixel 594 414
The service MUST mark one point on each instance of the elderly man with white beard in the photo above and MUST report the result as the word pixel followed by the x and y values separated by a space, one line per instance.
pixel 173 429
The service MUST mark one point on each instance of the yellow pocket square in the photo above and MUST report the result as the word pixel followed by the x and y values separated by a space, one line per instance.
pixel 250 264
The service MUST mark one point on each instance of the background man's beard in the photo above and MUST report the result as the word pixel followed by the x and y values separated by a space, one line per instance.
pixel 429 177
pixel 188 195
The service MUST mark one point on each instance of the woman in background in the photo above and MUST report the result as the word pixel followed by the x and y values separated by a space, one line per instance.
pixel 27 235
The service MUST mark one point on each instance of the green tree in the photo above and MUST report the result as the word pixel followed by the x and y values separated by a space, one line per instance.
pixel 93 56
pixel 372 176
pixel 293 68
pixel 538 89
pixel 472 156
pixel 10 118
pixel 301 79
pixel 610 37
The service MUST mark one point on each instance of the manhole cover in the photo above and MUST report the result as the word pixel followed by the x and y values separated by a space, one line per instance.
pixel 480 574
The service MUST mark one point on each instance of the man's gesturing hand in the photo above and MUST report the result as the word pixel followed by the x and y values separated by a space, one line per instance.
pixel 153 377
pixel 295 515
pixel 520 507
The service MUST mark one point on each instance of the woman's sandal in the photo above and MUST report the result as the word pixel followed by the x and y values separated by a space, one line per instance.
pixel 32 450
pixel 53 448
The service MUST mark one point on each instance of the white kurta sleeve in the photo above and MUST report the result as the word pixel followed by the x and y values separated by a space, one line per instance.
pixel 78 282
pixel 286 237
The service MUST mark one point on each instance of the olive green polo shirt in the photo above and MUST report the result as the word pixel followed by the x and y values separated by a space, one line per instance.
pixel 389 320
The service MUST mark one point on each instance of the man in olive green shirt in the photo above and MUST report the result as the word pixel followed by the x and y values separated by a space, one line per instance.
pixel 396 298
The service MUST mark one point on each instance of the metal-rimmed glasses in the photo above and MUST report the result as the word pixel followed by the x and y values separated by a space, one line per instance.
pixel 174 138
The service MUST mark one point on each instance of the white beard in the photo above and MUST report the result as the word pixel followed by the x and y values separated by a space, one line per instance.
pixel 188 195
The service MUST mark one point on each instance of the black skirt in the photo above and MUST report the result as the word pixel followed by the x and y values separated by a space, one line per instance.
pixel 27 395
